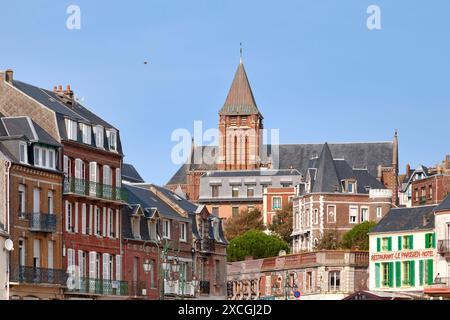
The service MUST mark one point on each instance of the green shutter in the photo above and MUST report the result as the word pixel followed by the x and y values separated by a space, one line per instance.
pixel 434 240
pixel 390 244
pixel 377 274
pixel 378 244
pixel 399 243
pixel 430 272
pixel 398 274
pixel 391 274
pixel 421 272
pixel 427 241
pixel 412 273
pixel 411 242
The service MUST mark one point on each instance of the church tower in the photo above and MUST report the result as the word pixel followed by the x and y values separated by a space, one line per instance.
pixel 240 127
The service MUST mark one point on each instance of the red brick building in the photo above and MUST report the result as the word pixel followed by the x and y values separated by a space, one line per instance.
pixel 334 199
pixel 431 190
pixel 92 186
pixel 274 200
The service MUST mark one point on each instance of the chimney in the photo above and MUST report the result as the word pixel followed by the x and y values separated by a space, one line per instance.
pixel 9 75
pixel 447 161
pixel 66 96
pixel 380 173
pixel 408 170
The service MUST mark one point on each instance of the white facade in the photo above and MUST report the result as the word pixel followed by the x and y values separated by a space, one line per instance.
pixel 442 222
pixel 402 261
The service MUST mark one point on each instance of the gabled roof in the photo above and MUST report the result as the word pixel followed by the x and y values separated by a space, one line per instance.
pixel 130 174
pixel 240 99
pixel 330 172
pixel 407 219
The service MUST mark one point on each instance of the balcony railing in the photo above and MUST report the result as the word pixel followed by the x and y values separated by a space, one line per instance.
pixel 100 287
pixel 441 283
pixel 31 275
pixel 444 246
pixel 138 289
pixel 205 287
pixel 42 222
pixel 93 189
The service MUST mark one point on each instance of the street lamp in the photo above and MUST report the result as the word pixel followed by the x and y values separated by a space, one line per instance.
pixel 148 266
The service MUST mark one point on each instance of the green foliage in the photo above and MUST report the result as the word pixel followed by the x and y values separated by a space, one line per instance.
pixel 282 223
pixel 358 237
pixel 256 244
pixel 245 221
pixel 329 241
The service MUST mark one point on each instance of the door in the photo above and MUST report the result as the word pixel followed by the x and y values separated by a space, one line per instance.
pixel 50 248
pixel 93 178
pixel 135 275
pixel 37 253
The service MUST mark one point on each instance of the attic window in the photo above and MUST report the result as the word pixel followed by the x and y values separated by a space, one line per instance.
pixel 349 186
pixel 23 152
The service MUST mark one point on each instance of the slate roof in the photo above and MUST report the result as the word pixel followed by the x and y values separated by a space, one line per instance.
pixel 254 173
pixel 406 219
pixel 127 230
pixel 130 174
pixel 445 205
pixel 240 99
pixel 25 127
pixel 148 199
pixel 298 156
pixel 76 112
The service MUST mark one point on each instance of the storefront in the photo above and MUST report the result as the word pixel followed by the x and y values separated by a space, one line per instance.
pixel 403 250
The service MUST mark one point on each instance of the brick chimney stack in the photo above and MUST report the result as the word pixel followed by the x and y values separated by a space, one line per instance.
pixel 66 95
pixel 447 162
pixel 408 170
pixel 9 76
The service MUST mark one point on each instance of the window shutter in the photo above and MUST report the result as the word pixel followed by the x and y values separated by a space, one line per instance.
pixel 78 168
pixel 96 227
pixel 118 178
pixel 411 242
pixel 104 222
pixel 92 264
pixel 81 264
pixel 66 166
pixel 83 218
pixel 391 274
pixel 412 273
pixel 390 244
pixel 67 216
pixel 427 240
pixel 76 217
pixel 398 274
pixel 105 266
pixel 91 216
pixel 377 275
pixel 70 258
pixel 108 225
pixel 421 272
pixel 93 178
pixel 430 279
pixel 399 243
pixel 118 268
pixel 378 244
pixel 434 240
pixel 117 224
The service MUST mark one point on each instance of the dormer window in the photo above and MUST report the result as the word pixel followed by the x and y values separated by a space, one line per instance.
pixel 112 139
pixel 23 152
pixel 44 158
pixel 86 133
pixel 152 229
pixel 135 225
pixel 72 130
pixel 349 186
pixel 99 136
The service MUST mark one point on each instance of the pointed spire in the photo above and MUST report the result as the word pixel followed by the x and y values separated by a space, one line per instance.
pixel 327 178
pixel 395 151
pixel 240 99
pixel 241 60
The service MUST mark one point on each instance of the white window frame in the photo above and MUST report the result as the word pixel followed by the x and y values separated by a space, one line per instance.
pixel 356 209
pixel 368 214
pixel 99 137
pixel 23 159
pixel 273 203
pixel 51 201
pixel 379 212
pixel 22 200
pixel 112 139
pixel 86 133
pixel 334 213
pixel 72 130
pixel 166 229
pixel 183 232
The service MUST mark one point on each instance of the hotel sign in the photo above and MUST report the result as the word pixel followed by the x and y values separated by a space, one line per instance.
pixel 402 255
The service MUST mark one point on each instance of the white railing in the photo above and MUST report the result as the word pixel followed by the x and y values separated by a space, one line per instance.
pixel 175 288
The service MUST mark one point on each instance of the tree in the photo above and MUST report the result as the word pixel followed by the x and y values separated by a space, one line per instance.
pixel 255 244
pixel 358 237
pixel 329 241
pixel 282 223
pixel 245 221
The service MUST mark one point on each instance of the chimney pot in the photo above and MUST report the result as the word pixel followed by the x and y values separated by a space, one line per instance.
pixel 59 88
pixel 9 75
pixel 68 88
pixel 408 170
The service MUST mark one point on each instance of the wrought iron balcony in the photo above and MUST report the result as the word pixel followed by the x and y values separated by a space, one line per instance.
pixel 31 275
pixel 444 246
pixel 205 287
pixel 177 288
pixel 93 189
pixel 42 222
pixel 99 287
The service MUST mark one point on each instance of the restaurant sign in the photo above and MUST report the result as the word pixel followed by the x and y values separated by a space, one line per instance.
pixel 402 255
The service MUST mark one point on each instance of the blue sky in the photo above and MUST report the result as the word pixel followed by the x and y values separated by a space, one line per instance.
pixel 317 72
